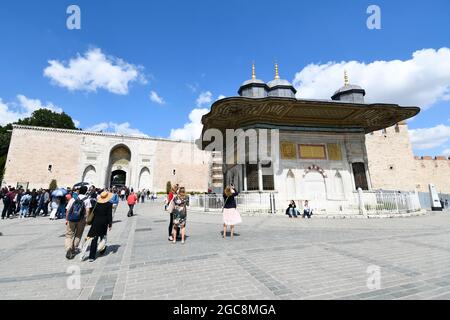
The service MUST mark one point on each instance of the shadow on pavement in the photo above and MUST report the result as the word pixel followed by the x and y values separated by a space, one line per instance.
pixel 229 234
pixel 111 250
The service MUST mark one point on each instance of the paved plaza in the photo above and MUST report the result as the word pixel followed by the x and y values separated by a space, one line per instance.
pixel 272 258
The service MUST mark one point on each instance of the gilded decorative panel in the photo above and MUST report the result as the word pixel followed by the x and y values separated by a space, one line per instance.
pixel 308 151
pixel 288 151
pixel 334 151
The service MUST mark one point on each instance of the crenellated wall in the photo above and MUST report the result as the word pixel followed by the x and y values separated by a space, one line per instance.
pixel 432 169
pixel 393 165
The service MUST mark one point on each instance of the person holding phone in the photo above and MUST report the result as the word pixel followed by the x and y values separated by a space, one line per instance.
pixel 178 211
pixel 231 215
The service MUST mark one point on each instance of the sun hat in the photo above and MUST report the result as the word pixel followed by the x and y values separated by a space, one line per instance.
pixel 104 197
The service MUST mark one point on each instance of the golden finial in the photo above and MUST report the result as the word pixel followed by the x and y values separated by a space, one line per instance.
pixel 253 71
pixel 277 75
pixel 346 78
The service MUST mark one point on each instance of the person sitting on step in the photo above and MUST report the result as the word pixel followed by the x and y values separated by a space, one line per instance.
pixel 292 211
pixel 307 211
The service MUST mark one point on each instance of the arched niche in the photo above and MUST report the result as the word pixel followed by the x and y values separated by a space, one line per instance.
pixel 144 179
pixel 291 190
pixel 90 175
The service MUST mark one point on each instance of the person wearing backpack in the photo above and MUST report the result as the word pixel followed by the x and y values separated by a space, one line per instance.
pixel 25 204
pixel 44 199
pixel 61 208
pixel 77 211
pixel 33 204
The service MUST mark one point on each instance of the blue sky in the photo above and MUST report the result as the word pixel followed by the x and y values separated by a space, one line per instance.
pixel 191 52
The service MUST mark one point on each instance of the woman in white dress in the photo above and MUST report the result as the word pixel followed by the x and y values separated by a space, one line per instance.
pixel 231 215
pixel 54 206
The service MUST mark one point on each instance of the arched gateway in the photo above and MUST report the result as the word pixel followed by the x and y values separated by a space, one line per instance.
pixel 119 169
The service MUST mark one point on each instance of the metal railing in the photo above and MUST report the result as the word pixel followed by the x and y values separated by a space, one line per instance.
pixel 363 203
pixel 388 202
pixel 248 202
pixel 425 200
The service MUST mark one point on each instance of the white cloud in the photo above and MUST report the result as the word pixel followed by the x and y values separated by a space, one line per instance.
pixel 124 128
pixel 446 152
pixel 7 115
pixel 204 99
pixel 118 128
pixel 22 108
pixel 428 138
pixel 94 71
pixel 32 105
pixel 76 123
pixel 420 81
pixel 156 98
pixel 193 87
pixel 191 130
pixel 98 127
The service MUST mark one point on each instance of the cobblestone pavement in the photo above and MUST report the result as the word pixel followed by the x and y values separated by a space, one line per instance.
pixel 272 258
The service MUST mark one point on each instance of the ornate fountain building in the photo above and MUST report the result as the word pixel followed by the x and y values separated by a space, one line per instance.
pixel 322 143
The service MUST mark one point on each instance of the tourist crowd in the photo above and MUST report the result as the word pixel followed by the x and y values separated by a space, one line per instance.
pixel 23 203
pixel 81 206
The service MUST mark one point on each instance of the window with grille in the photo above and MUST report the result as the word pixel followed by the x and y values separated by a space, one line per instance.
pixel 252 177
pixel 268 183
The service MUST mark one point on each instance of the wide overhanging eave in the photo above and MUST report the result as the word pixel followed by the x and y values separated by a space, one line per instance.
pixel 237 112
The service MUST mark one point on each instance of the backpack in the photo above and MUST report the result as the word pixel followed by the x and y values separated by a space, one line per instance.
pixel 77 211
pixel 115 199
pixel 26 201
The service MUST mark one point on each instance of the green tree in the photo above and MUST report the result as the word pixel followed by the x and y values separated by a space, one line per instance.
pixel 49 119
pixel 5 139
pixel 53 185
pixel 168 187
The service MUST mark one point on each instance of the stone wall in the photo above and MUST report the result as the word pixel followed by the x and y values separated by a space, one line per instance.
pixel 391 159
pixel 32 151
pixel 71 152
pixel 192 166
pixel 393 166
pixel 432 170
